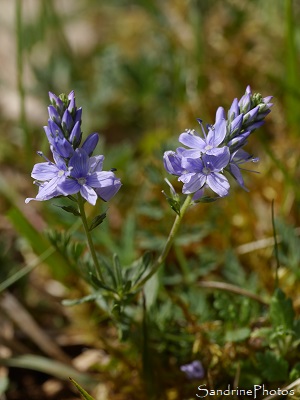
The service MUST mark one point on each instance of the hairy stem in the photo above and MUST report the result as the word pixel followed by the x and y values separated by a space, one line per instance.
pixel 88 235
pixel 161 258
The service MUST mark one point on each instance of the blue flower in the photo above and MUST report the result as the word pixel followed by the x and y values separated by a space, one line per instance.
pixel 193 370
pixel 48 176
pixel 236 159
pixel 86 176
pixel 74 169
pixel 172 161
pixel 206 171
pixel 209 145
pixel 220 149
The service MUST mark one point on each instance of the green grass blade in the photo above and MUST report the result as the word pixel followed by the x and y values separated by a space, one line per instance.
pixel 38 242
pixel 83 393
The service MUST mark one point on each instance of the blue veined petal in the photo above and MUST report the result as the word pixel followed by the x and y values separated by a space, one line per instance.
pixel 78 115
pixel 217 134
pixel 75 135
pixel 216 151
pixel 245 103
pixel 217 162
pixel 192 164
pixel 69 186
pixel 54 115
pixel 251 115
pixel 236 173
pixel 49 134
pixel 98 179
pixel 55 129
pixel 96 163
pixel 59 161
pixel 194 184
pixel 67 121
pixel 109 189
pixel 90 143
pixel 220 114
pixel 79 163
pixel 193 141
pixel 191 153
pixel 218 183
pixel 172 163
pixel 56 101
pixel 236 125
pixel 238 141
pixel 234 110
pixel 63 147
pixel 89 194
pixel 199 193
pixel 46 191
pixel 44 171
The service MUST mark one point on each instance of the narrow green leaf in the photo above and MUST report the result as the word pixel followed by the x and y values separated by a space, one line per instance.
pixel 83 393
pixel 97 221
pixel 175 205
pixel 110 272
pixel 48 366
pixel 118 270
pixel 206 199
pixel 69 209
pixel 85 299
pixel 146 262
pixel 38 242
pixel 151 291
pixel 128 239
pixel 100 284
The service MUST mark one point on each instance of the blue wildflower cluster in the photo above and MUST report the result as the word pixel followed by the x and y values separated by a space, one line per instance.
pixel 220 149
pixel 74 169
pixel 193 370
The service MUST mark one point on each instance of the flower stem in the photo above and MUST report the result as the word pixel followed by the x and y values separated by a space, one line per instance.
pixel 88 235
pixel 161 258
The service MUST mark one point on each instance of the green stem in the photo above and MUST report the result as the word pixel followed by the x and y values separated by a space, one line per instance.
pixel 88 235
pixel 159 261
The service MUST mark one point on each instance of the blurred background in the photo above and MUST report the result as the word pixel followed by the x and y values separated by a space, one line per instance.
pixel 143 71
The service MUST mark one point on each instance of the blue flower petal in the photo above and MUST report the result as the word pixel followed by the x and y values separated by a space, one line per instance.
pixel 218 183
pixel 89 194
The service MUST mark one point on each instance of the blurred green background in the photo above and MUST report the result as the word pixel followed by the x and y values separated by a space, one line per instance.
pixel 143 71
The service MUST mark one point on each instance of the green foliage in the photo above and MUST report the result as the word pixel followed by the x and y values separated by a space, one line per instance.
pixel 70 209
pixel 272 367
pixel 97 221
pixel 174 204
pixel 82 392
pixel 281 311
pixel 289 248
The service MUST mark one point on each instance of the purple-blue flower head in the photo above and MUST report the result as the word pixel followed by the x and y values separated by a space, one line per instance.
pixel 48 176
pixel 74 169
pixel 193 370
pixel 90 143
pixel 172 161
pixel 64 113
pixel 86 178
pixel 205 160
pixel 209 144
pixel 206 170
